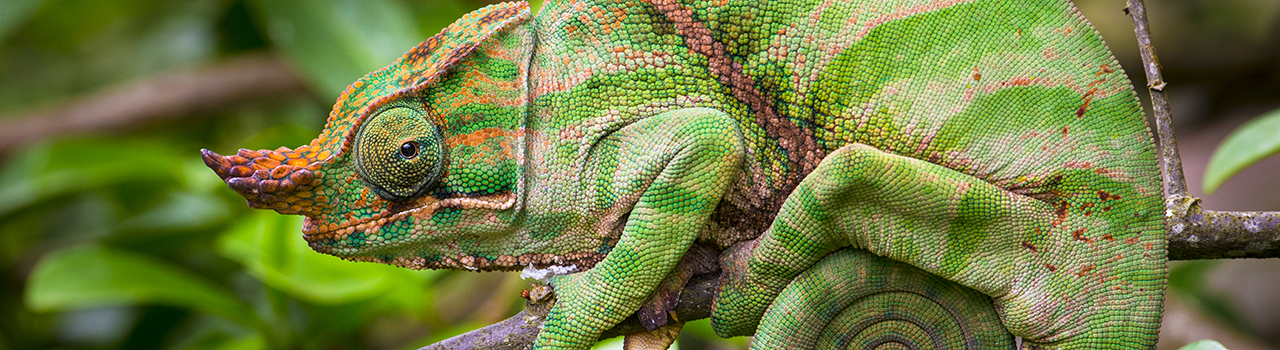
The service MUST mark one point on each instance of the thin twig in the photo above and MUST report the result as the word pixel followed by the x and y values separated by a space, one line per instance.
pixel 1175 185
pixel 1193 232
pixel 170 95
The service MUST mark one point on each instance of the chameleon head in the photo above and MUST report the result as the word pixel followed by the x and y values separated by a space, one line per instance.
pixel 377 184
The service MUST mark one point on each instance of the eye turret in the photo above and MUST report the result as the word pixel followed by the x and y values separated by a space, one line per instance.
pixel 400 152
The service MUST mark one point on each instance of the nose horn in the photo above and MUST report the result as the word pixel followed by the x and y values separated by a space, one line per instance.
pixel 283 179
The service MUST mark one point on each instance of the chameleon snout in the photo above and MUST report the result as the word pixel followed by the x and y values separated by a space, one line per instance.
pixel 283 180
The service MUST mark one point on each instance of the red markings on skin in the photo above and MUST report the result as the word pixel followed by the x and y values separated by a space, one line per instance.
pixel 1064 130
pixel 1030 247
pixel 1088 98
pixel 1046 82
pixel 801 148
pixel 1077 165
pixel 1104 196
pixel 1060 210
pixel 477 137
pixel 1079 236
pixel 1131 240
pixel 1050 53
pixel 479 90
pixel 1051 267
pixel 1109 237
pixel 1085 270
pixel 622 59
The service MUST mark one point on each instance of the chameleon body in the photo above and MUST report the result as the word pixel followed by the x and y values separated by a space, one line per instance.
pixel 992 143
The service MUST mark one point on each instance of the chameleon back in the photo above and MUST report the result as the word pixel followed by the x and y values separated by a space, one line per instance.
pixel 1022 94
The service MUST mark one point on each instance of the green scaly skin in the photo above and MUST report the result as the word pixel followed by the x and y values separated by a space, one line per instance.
pixel 993 143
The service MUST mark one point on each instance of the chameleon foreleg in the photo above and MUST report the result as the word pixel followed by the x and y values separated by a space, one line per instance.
pixel 1053 285
pixel 854 299
pixel 699 153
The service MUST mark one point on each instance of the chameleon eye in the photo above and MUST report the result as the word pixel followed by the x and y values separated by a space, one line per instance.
pixel 409 150
pixel 399 153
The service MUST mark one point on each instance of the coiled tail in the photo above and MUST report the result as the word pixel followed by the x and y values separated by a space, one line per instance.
pixel 853 299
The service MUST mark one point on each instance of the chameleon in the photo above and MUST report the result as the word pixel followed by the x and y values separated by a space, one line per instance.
pixel 889 173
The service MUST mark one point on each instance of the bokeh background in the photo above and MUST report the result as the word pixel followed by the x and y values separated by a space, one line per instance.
pixel 113 234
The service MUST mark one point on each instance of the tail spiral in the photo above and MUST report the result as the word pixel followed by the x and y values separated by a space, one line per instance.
pixel 853 299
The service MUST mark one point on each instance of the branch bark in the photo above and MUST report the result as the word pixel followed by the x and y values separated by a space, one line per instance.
pixel 171 95
pixel 519 331
pixel 1194 232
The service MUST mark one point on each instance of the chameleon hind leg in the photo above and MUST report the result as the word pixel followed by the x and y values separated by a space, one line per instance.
pixel 862 301
pixel 678 164
pixel 1057 280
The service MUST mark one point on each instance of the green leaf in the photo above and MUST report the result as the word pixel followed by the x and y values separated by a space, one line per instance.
pixel 14 13
pixel 335 42
pixel 93 276
pixel 57 168
pixel 1204 345
pixel 270 246
pixel 177 212
pixel 1252 142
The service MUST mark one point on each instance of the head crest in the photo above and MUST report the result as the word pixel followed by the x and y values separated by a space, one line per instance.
pixel 416 70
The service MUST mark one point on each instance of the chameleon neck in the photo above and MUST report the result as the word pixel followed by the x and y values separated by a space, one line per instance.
pixel 491 134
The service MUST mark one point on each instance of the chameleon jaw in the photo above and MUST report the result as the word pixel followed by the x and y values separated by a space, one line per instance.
pixel 579 261
pixel 422 208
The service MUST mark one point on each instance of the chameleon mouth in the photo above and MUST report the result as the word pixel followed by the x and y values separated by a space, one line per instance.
pixel 421 209
pixel 581 260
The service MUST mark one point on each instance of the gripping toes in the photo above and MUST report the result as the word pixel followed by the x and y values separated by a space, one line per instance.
pixel 677 166
pixel 1081 265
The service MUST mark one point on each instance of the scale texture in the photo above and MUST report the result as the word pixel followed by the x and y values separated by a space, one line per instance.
pixel 990 148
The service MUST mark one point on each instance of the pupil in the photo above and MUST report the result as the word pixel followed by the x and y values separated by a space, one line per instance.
pixel 409 149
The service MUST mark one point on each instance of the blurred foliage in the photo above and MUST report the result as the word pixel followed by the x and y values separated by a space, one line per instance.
pixel 1251 143
pixel 124 240
pixel 1191 278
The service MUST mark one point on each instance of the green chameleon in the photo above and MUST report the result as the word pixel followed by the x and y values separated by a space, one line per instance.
pixel 894 173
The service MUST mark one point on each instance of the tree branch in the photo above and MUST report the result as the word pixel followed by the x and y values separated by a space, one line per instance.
pixel 519 331
pixel 1194 232
pixel 161 97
